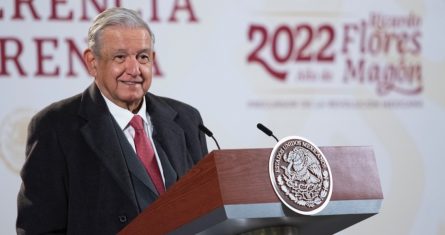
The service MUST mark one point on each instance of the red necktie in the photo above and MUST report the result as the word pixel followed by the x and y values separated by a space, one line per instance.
pixel 146 154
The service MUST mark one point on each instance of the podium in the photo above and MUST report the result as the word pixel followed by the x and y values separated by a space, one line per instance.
pixel 229 192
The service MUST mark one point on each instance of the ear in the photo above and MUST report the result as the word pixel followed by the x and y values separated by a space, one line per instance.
pixel 90 62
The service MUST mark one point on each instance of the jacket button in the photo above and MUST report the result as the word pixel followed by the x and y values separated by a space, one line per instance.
pixel 122 218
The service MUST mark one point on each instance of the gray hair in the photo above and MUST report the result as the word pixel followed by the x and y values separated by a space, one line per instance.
pixel 115 17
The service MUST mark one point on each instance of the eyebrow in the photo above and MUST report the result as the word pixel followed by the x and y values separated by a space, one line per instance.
pixel 145 50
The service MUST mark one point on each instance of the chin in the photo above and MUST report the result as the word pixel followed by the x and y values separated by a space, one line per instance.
pixel 134 99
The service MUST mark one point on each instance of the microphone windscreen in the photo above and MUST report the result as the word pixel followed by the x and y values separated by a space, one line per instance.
pixel 205 130
pixel 264 129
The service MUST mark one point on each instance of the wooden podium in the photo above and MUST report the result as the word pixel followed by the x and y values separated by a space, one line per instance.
pixel 229 192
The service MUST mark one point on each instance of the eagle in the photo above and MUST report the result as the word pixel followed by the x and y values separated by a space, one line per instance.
pixel 303 166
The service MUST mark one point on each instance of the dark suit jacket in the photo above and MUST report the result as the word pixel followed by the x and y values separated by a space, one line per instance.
pixel 81 175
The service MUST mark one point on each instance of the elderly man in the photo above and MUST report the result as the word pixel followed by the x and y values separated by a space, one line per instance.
pixel 96 160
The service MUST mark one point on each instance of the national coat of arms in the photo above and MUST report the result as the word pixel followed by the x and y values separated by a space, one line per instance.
pixel 300 175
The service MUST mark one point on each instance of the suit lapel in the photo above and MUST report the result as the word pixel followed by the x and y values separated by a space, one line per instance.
pixel 101 136
pixel 169 172
pixel 168 136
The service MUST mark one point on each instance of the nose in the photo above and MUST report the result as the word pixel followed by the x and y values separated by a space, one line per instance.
pixel 132 67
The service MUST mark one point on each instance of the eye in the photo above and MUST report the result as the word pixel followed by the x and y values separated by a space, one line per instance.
pixel 144 58
pixel 119 58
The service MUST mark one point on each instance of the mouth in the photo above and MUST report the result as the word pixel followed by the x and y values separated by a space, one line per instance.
pixel 130 83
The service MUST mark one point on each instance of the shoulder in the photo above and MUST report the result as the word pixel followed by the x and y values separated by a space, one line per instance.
pixel 56 113
pixel 169 104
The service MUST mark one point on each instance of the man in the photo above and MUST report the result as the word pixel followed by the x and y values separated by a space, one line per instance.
pixel 84 173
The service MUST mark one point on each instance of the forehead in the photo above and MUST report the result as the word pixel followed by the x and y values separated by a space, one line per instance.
pixel 124 37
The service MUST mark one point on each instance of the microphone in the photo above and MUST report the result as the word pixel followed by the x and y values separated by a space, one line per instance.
pixel 206 131
pixel 266 130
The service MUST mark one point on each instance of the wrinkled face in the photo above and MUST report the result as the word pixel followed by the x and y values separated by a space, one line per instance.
pixel 123 69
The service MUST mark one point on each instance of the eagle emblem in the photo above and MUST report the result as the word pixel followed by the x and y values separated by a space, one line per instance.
pixel 300 175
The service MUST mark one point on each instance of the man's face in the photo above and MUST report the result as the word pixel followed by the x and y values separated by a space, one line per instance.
pixel 123 69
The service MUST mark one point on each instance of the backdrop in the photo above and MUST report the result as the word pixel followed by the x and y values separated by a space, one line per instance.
pixel 344 73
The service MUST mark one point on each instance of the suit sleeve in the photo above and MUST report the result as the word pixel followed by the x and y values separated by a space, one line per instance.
pixel 42 200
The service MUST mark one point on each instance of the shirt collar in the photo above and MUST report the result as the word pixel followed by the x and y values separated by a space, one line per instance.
pixel 124 116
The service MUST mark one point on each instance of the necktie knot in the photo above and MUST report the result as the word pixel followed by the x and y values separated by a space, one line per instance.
pixel 137 122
